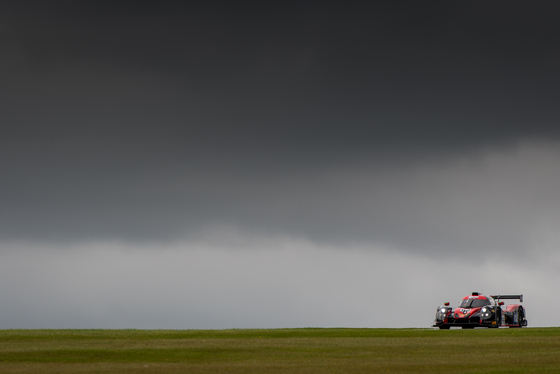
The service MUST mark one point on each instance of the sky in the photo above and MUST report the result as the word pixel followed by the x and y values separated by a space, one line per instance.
pixel 279 164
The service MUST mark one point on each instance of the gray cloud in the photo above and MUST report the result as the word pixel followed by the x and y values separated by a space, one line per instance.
pixel 293 283
pixel 486 200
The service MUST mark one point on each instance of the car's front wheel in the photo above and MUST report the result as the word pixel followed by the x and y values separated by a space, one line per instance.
pixel 498 318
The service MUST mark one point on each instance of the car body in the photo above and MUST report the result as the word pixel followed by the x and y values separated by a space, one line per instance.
pixel 477 310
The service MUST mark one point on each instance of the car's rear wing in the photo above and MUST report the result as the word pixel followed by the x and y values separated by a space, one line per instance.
pixel 507 297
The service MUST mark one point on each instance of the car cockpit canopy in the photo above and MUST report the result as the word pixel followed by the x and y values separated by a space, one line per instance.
pixel 476 301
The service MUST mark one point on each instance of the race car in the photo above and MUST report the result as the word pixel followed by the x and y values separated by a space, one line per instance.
pixel 478 310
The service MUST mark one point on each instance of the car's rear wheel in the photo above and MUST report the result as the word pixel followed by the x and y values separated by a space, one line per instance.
pixel 444 327
pixel 520 318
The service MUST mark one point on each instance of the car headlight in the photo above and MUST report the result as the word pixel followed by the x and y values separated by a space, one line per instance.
pixel 485 312
pixel 441 314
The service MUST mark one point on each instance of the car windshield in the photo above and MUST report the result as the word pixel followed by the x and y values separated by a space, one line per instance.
pixel 473 303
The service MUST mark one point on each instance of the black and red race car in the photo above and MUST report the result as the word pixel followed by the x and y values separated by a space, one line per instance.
pixel 478 310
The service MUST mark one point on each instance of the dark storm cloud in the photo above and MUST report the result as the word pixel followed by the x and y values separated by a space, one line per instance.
pixel 427 73
pixel 153 122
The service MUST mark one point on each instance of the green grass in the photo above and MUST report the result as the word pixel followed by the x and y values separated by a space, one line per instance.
pixel 528 350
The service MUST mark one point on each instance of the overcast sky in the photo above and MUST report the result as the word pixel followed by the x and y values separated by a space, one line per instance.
pixel 307 163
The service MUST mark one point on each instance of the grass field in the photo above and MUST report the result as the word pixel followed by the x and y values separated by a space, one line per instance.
pixel 527 350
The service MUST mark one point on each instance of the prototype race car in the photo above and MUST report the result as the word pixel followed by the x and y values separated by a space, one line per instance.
pixel 478 310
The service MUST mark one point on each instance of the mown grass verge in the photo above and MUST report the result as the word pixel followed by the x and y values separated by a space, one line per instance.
pixel 528 350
